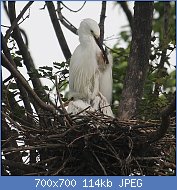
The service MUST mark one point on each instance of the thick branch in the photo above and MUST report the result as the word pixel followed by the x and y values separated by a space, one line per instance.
pixel 165 121
pixel 5 7
pixel 58 30
pixel 23 92
pixel 128 13
pixel 24 83
pixel 138 62
pixel 102 19
pixel 25 53
pixel 64 21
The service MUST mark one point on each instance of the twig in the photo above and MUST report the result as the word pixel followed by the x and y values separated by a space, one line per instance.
pixel 75 11
pixel 28 61
pixel 128 158
pixel 102 19
pixel 104 171
pixel 7 79
pixel 5 26
pixel 21 166
pixel 14 23
pixel 10 150
pixel 80 137
pixel 64 21
pixel 22 80
pixel 61 103
pixel 61 168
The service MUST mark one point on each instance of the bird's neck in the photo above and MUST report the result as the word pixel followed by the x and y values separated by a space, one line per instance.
pixel 86 40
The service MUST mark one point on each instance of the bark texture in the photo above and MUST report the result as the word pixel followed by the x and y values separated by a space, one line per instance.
pixel 138 60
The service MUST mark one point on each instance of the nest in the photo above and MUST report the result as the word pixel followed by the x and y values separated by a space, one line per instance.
pixel 91 144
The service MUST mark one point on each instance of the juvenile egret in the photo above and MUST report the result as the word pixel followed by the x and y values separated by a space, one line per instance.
pixel 90 72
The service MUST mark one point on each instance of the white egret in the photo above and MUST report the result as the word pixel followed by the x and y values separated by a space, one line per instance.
pixel 90 72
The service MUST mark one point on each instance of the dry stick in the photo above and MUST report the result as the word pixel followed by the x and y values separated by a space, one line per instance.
pixel 7 151
pixel 149 158
pixel 80 137
pixel 82 111
pixel 25 84
pixel 23 124
pixel 75 11
pixel 102 19
pixel 102 167
pixel 112 149
pixel 19 165
pixel 17 19
pixel 44 161
pixel 61 168
pixel 96 120
pixel 141 171
pixel 128 158
pixel 61 104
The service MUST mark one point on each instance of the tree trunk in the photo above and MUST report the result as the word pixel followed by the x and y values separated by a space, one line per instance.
pixel 138 62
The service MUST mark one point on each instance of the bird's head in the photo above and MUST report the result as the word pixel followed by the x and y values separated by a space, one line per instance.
pixel 91 28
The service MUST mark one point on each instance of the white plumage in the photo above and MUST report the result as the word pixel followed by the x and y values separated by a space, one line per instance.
pixel 90 77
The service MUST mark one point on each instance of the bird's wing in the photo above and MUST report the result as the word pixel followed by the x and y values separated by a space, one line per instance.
pixel 105 80
pixel 83 67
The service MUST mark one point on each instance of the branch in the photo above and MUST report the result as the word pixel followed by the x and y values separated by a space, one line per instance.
pixel 167 111
pixel 21 166
pixel 127 11
pixel 102 19
pixel 138 63
pixel 23 92
pixel 8 140
pixel 75 11
pixel 61 104
pixel 64 21
pixel 25 53
pixel 5 8
pixel 165 123
pixel 58 30
pixel 24 83
pixel 15 22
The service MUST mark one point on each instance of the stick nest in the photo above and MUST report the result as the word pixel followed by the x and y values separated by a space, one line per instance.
pixel 90 144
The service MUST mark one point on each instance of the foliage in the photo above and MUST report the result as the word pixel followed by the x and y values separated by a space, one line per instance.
pixel 164 77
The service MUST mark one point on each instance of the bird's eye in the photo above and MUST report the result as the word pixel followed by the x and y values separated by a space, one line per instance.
pixel 91 31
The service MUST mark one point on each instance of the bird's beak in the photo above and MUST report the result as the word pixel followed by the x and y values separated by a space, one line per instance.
pixel 103 51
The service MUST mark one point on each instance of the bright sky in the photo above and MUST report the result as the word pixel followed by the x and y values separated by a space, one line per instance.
pixel 43 43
